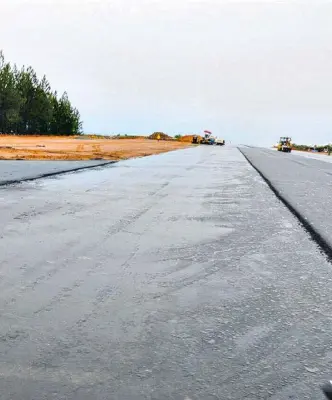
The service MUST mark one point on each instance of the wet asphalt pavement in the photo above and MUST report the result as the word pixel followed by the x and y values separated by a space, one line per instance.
pixel 14 171
pixel 179 276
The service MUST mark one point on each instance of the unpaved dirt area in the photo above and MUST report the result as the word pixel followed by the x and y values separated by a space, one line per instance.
pixel 72 148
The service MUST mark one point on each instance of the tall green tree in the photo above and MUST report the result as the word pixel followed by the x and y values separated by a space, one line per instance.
pixel 41 110
pixel 9 98
pixel 26 84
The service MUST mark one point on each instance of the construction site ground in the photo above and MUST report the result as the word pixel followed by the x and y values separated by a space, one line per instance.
pixel 80 148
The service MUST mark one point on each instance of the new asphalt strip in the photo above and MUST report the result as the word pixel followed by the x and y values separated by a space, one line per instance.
pixel 303 184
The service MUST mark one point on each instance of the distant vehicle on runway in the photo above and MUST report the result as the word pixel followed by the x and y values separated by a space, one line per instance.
pixel 195 139
pixel 207 138
pixel 285 144
pixel 220 142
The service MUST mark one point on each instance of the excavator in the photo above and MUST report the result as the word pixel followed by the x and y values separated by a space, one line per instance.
pixel 285 144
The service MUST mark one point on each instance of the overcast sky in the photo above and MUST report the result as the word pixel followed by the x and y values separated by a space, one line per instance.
pixel 249 71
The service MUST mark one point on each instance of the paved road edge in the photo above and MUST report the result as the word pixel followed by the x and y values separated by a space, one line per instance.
pixel 54 173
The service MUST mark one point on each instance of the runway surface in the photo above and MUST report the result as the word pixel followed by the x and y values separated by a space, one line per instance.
pixel 179 276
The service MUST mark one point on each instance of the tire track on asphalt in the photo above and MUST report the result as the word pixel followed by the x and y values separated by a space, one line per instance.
pixel 114 228
pixel 105 291
pixel 315 235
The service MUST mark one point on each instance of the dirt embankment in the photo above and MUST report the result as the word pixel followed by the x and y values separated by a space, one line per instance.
pixel 80 148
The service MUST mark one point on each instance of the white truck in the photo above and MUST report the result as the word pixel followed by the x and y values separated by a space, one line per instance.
pixel 220 142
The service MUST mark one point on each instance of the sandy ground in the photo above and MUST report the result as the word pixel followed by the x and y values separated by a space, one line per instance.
pixel 65 148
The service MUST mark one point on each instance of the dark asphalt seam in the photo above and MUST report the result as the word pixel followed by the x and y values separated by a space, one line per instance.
pixel 47 175
pixel 314 234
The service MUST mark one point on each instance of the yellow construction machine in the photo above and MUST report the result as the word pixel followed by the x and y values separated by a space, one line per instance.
pixel 285 144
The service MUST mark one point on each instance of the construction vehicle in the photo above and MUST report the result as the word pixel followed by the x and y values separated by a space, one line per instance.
pixel 285 144
pixel 220 142
pixel 208 138
pixel 195 139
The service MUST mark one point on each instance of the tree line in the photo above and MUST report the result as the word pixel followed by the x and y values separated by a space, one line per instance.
pixel 29 106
